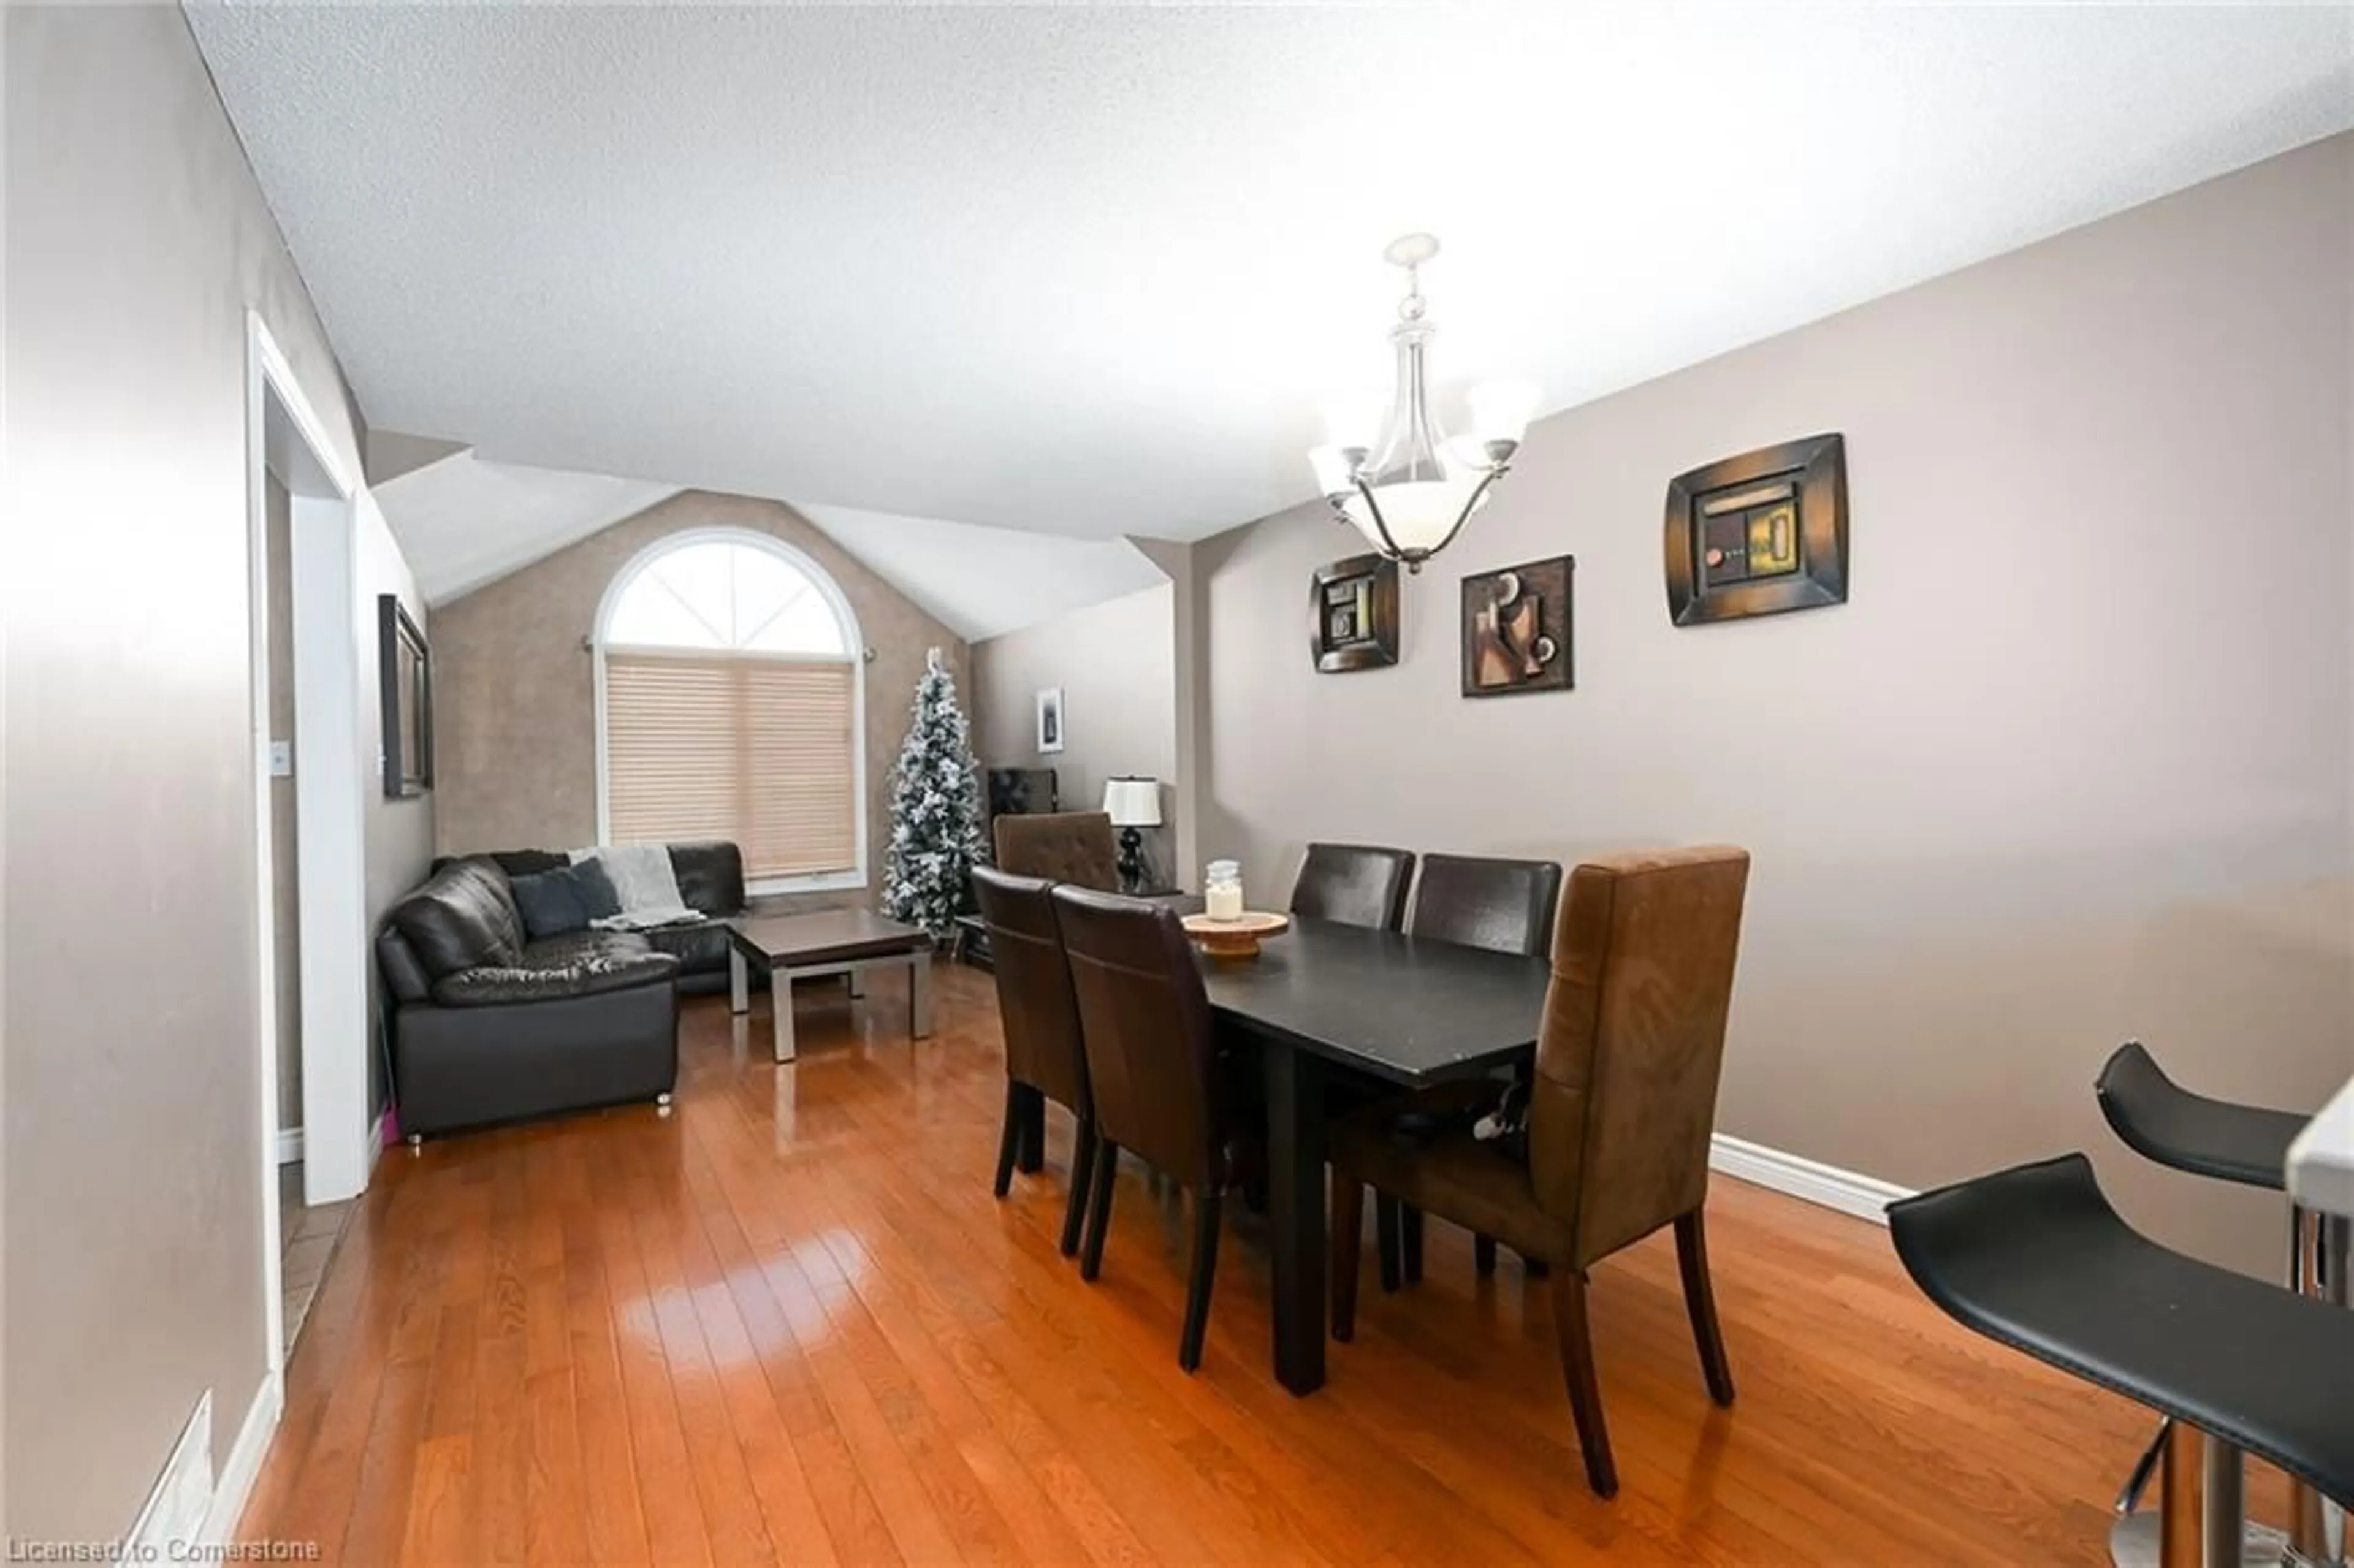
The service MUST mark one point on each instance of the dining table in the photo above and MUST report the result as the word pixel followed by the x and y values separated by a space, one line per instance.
pixel 1326 1005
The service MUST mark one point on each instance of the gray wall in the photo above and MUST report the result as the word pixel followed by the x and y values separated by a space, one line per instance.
pixel 515 687
pixel 137 241
pixel 1116 662
pixel 2072 767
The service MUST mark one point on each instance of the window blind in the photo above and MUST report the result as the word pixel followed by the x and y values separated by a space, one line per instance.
pixel 758 751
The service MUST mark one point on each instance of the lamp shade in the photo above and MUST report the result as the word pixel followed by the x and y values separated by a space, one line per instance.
pixel 1132 802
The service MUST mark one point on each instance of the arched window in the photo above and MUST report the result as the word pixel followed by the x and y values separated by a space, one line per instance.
pixel 730 691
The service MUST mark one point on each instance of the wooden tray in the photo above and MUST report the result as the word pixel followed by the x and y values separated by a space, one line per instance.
pixel 1237 938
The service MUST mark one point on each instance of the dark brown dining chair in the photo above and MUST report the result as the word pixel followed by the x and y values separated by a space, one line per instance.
pixel 1354 885
pixel 1476 901
pixel 1075 847
pixel 1620 1111
pixel 1152 1063
pixel 1043 1059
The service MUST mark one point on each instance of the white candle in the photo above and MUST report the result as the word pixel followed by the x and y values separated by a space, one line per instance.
pixel 1225 901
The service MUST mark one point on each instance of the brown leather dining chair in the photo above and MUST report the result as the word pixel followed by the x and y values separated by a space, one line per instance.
pixel 1152 1063
pixel 1620 1111
pixel 1354 885
pixel 1044 1060
pixel 1075 847
pixel 1476 901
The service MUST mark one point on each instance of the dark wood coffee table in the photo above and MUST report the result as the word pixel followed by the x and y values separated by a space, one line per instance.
pixel 847 942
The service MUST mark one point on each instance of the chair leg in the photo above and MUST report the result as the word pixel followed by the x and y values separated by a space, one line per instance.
pixel 1348 1248
pixel 1009 1142
pixel 1386 1227
pixel 1207 1209
pixel 1098 1207
pixel 1410 1242
pixel 1483 1254
pixel 1578 1371
pixel 1083 1156
pixel 1031 1158
pixel 1700 1302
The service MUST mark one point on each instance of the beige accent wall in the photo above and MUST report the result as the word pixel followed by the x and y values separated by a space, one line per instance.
pixel 514 689
pixel 2071 768
pixel 137 241
pixel 1116 662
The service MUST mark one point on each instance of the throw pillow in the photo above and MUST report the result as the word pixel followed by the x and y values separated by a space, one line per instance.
pixel 648 886
pixel 597 894
pixel 551 904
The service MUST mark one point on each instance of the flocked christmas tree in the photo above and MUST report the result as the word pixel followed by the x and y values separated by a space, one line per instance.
pixel 934 809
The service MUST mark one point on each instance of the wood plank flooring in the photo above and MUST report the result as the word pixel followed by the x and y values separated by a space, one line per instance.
pixel 788 1323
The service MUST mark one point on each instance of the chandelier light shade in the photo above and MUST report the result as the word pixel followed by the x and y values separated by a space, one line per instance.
pixel 1412 491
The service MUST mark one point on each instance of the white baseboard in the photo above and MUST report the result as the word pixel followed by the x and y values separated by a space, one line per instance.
pixel 1865 1197
pixel 244 1464
pixel 290 1144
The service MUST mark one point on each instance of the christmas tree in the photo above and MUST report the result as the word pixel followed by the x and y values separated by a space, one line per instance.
pixel 934 809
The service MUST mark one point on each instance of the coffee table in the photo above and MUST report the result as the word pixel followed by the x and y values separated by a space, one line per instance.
pixel 847 942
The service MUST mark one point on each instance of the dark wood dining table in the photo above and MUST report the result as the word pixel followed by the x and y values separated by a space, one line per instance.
pixel 1326 1003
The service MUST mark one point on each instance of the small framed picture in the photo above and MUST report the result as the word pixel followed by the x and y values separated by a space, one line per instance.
pixel 1050 719
pixel 1352 614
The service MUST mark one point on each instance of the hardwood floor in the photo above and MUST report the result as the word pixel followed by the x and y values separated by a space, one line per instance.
pixel 789 1323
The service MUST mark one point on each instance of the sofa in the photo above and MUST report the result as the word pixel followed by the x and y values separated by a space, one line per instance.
pixel 710 882
pixel 489 1025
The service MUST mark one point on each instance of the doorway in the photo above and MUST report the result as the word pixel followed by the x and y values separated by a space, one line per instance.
pixel 317 1140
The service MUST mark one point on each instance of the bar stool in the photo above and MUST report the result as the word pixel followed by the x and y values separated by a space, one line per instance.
pixel 2035 1258
pixel 2164 1122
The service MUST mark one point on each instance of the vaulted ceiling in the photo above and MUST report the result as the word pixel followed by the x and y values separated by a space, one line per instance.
pixel 1095 270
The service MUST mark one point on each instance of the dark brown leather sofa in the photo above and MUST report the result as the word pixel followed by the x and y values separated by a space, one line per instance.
pixel 488 1026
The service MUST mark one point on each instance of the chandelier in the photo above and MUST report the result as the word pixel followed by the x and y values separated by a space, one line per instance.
pixel 1412 491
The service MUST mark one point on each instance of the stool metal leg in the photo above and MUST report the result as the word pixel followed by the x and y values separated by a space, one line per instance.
pixel 2129 1498
pixel 2320 1247
pixel 2200 1512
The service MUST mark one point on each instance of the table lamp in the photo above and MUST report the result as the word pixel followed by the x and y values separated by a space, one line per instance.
pixel 1132 803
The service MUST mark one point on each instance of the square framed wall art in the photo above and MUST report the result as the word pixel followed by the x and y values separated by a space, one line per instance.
pixel 1517 628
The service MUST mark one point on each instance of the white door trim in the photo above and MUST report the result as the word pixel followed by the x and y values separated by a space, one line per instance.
pixel 283 433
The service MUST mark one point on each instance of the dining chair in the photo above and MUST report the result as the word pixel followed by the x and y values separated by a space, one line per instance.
pixel 1475 901
pixel 1073 847
pixel 1152 1064
pixel 1621 1108
pixel 1043 1059
pixel 1354 885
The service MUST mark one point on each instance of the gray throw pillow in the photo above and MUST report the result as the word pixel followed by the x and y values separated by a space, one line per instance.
pixel 551 904
pixel 596 894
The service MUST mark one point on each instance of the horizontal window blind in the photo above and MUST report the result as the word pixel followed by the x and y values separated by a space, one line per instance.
pixel 756 750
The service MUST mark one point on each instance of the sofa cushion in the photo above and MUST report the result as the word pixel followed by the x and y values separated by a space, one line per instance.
pixel 700 949
pixel 710 877
pixel 550 903
pixel 584 963
pixel 462 916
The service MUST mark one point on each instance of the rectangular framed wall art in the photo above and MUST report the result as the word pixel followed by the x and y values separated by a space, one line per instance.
pixel 1352 614
pixel 1759 534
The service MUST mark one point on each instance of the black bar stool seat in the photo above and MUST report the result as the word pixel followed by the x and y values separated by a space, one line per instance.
pixel 2035 1258
pixel 2161 1120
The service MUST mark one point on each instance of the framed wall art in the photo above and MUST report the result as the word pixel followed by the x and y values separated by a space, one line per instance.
pixel 1759 534
pixel 1517 627
pixel 1352 614
pixel 1050 718
pixel 405 693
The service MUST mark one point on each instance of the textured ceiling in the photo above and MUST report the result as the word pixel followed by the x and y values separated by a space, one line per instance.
pixel 1095 270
